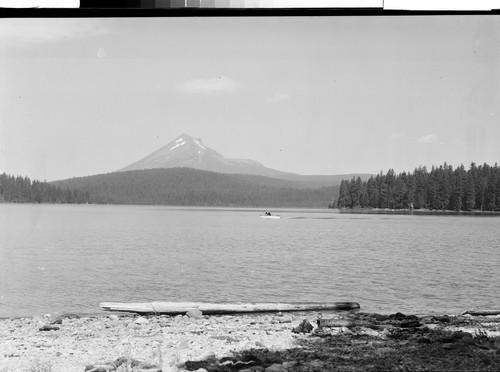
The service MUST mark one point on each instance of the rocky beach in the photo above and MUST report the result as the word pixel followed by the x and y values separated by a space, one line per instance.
pixel 294 341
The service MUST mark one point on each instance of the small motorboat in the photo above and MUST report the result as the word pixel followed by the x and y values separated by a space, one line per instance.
pixel 269 215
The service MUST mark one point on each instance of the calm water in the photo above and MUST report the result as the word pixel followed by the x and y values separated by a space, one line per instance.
pixel 70 258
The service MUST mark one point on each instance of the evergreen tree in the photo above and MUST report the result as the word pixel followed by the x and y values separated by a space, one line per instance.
pixel 457 200
pixel 421 183
pixel 372 192
pixel 401 192
pixel 492 201
pixel 469 193
pixel 354 192
pixel 344 199
pixel 390 180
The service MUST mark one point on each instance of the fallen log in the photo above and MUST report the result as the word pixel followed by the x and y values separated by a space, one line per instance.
pixel 173 308
pixel 483 312
pixel 333 323
pixel 350 323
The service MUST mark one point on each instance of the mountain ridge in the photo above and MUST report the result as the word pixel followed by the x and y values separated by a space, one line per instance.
pixel 187 151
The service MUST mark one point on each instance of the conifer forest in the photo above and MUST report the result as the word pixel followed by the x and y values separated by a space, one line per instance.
pixel 441 188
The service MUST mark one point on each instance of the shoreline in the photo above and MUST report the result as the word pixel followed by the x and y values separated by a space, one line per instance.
pixel 419 212
pixel 336 340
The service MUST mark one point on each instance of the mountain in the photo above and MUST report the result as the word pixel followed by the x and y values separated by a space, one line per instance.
pixel 189 152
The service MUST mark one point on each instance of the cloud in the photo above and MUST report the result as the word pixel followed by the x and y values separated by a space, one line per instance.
pixel 429 138
pixel 220 84
pixel 278 97
pixel 28 31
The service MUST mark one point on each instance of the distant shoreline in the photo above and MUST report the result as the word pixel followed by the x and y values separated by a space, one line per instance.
pixel 418 212
pixel 386 211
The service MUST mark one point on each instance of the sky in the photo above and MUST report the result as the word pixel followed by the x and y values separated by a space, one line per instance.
pixel 309 95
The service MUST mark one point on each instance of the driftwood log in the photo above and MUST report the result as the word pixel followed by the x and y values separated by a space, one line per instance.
pixel 173 308
pixel 350 323
pixel 483 312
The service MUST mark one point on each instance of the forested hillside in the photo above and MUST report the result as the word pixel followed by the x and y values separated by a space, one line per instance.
pixel 186 186
pixel 23 190
pixel 443 188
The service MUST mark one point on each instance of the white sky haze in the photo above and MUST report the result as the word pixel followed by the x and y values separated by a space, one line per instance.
pixel 310 95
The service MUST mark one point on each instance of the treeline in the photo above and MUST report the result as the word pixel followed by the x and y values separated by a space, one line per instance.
pixel 17 189
pixel 443 188
pixel 193 187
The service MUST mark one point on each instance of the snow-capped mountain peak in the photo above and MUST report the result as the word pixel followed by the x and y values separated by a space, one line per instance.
pixel 187 151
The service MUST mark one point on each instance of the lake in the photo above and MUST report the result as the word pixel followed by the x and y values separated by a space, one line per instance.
pixel 69 258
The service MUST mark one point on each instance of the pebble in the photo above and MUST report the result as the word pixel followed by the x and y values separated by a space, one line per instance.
pixel 253 369
pixel 209 355
pixel 49 328
pixel 316 363
pixel 276 368
pixel 398 316
pixel 381 317
pixel 54 318
pixel 410 324
pixel 304 327
pixel 290 364
pixel 10 351
pixel 37 319
pixel 468 340
pixel 163 323
pixel 460 334
pixel 183 344
pixel 194 313
pixel 114 317
pixel 260 344
pixel 424 340
pixel 141 320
